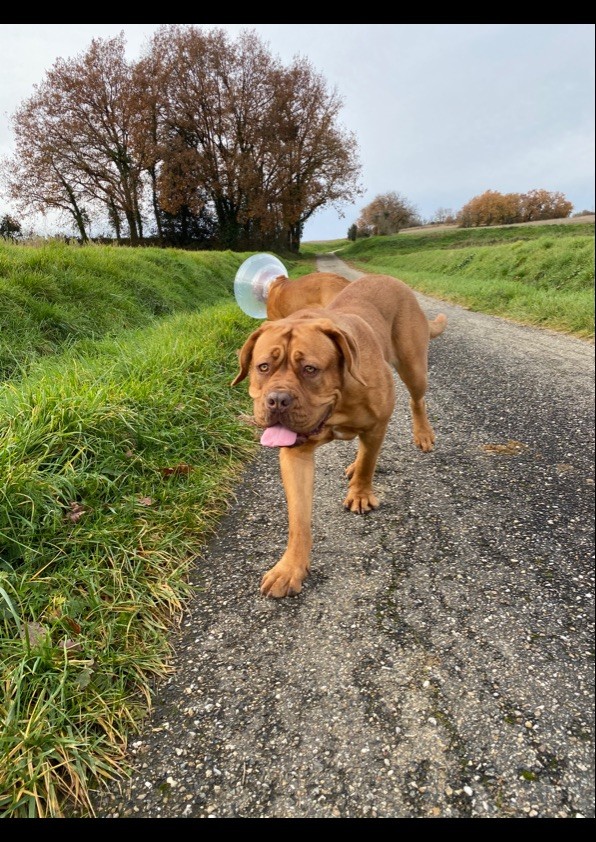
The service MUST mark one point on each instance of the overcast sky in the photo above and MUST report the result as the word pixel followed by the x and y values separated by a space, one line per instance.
pixel 442 112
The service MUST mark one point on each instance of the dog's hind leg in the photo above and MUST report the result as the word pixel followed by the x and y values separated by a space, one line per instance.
pixel 415 378
pixel 361 497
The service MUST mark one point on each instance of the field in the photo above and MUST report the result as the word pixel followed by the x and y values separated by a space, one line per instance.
pixel 121 443
pixel 542 275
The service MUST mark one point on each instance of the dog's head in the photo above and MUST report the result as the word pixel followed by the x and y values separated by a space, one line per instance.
pixel 297 369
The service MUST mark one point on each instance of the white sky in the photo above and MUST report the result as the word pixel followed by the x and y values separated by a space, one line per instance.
pixel 442 112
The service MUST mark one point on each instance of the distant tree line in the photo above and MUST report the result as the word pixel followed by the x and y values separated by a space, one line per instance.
pixel 493 208
pixel 388 213
pixel 205 141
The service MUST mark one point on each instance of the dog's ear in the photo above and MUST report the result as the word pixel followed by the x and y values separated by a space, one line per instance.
pixel 245 354
pixel 347 347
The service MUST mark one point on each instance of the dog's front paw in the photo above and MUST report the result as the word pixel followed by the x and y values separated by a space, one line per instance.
pixel 425 440
pixel 283 580
pixel 360 501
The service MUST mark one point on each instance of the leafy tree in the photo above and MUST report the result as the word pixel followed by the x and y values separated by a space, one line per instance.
pixel 490 208
pixel 494 208
pixel 388 213
pixel 10 229
pixel 230 146
pixel 236 130
pixel 353 232
pixel 317 160
pixel 540 204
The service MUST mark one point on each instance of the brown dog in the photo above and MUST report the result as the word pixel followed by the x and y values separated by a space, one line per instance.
pixel 324 374
pixel 284 296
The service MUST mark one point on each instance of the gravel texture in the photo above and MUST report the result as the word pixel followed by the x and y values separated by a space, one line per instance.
pixel 439 660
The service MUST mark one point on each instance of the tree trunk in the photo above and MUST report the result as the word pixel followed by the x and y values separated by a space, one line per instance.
pixel 133 231
pixel 293 237
pixel 115 220
pixel 138 216
pixel 78 218
pixel 227 219
pixel 153 177
pixel 76 212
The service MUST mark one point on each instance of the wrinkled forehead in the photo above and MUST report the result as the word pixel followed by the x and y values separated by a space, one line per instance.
pixel 296 341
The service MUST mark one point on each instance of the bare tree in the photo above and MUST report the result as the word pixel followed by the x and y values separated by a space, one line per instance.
pixel 77 127
pixel 39 176
pixel 443 216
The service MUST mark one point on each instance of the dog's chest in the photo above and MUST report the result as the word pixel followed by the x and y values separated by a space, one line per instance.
pixel 344 433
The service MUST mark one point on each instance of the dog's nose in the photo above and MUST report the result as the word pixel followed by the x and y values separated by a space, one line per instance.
pixel 279 400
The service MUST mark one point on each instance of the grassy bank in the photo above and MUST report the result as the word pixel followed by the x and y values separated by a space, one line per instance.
pixel 114 468
pixel 120 446
pixel 540 275
pixel 55 295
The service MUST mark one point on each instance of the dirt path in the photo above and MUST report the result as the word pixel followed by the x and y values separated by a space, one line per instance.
pixel 439 661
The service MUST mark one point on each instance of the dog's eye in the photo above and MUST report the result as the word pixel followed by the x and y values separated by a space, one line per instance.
pixel 310 369
pixel 263 367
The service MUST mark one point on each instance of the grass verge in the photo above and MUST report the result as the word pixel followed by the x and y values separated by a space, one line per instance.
pixel 54 295
pixel 114 468
pixel 540 275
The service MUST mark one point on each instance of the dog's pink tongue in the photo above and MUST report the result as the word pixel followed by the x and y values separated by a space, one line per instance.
pixel 278 436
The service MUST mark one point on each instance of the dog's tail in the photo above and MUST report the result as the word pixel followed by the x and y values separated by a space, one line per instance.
pixel 437 326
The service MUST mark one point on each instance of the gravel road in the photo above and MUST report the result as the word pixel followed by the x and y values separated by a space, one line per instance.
pixel 439 660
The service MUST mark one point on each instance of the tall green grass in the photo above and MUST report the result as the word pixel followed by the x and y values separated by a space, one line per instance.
pixel 540 275
pixel 114 468
pixel 56 294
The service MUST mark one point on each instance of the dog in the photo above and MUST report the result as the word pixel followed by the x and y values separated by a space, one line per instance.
pixel 325 373
pixel 284 296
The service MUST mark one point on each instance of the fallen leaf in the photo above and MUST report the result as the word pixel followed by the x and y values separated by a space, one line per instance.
pixel 145 501
pixel 73 625
pixel 34 633
pixel 76 510
pixel 178 470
